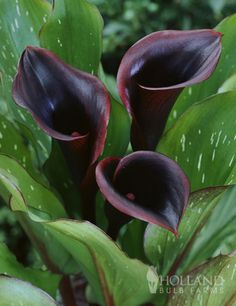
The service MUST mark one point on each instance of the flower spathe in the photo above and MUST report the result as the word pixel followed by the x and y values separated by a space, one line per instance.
pixel 144 185
pixel 69 105
pixel 154 71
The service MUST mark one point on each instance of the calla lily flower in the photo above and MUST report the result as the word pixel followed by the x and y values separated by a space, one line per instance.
pixel 69 105
pixel 144 185
pixel 154 71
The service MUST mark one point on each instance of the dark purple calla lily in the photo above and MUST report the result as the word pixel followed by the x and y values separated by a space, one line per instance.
pixel 155 70
pixel 69 105
pixel 144 185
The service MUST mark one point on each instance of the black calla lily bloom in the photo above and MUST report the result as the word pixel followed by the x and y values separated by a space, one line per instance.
pixel 155 70
pixel 144 185
pixel 69 105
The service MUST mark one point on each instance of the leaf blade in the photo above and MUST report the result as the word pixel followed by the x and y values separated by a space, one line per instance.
pixel 22 293
pixel 219 274
pixel 20 24
pixel 200 148
pixel 82 48
pixel 42 279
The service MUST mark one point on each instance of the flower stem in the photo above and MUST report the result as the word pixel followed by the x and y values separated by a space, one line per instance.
pixel 67 292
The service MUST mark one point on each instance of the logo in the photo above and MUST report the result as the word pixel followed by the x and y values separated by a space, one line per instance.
pixel 178 283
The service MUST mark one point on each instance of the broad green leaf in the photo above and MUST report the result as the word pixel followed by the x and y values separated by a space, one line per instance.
pixel 74 33
pixel 212 284
pixel 20 22
pixel 17 292
pixel 113 276
pixel 3 104
pixel 52 253
pixel 203 142
pixel 118 133
pixel 167 252
pixel 106 267
pixel 29 199
pixel 225 69
pixel 218 236
pixel 229 84
pixel 13 142
pixel 42 279
pixel 27 191
pixel 131 239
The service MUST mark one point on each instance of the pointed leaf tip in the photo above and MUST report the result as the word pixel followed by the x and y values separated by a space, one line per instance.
pixel 155 70
pixel 143 185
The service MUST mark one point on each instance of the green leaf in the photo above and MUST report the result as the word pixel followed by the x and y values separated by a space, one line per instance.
pixel 203 142
pixel 167 252
pixel 131 239
pixel 101 219
pixel 20 22
pixel 225 69
pixel 17 292
pixel 27 191
pixel 13 142
pixel 218 236
pixel 74 33
pixel 118 133
pixel 106 267
pixel 42 279
pixel 110 83
pixel 229 84
pixel 31 200
pixel 210 284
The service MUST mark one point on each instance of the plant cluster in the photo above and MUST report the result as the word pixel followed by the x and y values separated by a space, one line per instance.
pixel 129 198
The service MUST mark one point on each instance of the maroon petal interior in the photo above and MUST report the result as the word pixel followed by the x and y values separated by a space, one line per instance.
pixel 155 70
pixel 68 104
pixel 144 185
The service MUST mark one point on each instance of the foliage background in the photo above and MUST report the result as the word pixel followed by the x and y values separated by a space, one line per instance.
pixel 126 21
